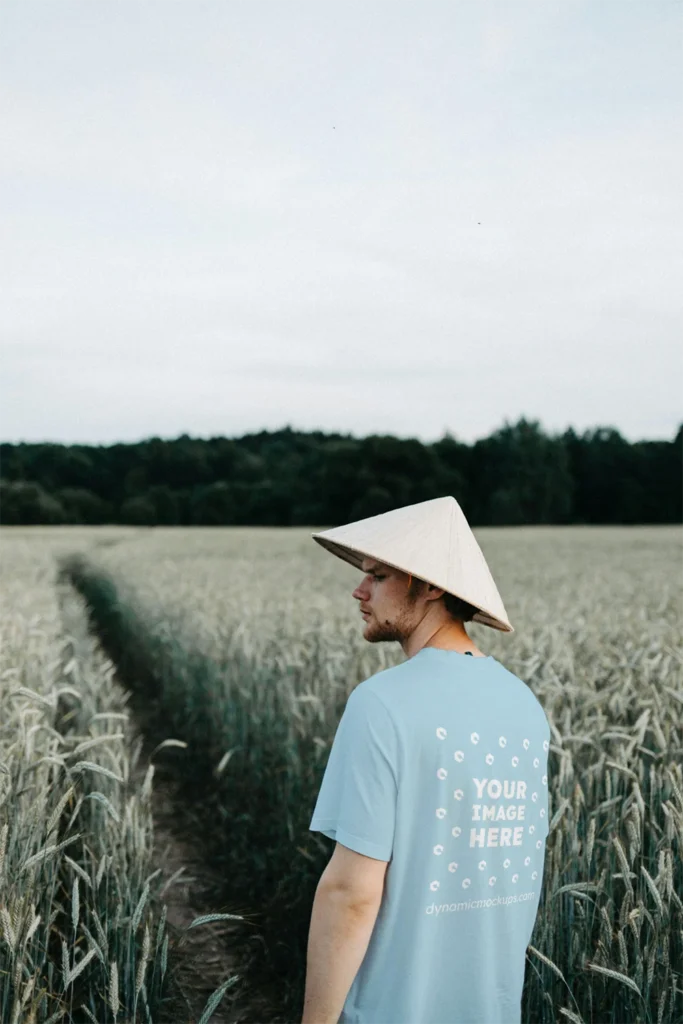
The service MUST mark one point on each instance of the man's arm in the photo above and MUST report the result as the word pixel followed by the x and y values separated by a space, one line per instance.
pixel 337 941
pixel 345 908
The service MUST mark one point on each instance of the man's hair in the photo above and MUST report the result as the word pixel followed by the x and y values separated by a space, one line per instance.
pixel 458 609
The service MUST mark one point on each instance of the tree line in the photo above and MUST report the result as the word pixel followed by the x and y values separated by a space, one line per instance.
pixel 518 475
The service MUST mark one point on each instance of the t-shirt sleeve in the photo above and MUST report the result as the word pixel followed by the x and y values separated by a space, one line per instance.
pixel 356 804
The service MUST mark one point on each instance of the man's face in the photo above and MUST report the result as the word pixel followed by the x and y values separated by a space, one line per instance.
pixel 393 611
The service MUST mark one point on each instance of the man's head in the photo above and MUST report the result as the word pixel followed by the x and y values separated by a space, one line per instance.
pixel 397 603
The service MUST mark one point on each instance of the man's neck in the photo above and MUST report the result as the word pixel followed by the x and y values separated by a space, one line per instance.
pixel 448 636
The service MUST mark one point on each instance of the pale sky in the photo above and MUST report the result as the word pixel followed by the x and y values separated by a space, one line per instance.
pixel 221 217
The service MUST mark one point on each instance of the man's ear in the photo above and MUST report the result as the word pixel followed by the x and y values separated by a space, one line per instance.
pixel 433 593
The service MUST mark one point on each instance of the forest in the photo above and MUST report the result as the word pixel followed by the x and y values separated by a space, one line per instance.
pixel 519 475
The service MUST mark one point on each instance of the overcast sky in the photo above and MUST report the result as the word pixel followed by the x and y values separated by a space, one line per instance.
pixel 219 217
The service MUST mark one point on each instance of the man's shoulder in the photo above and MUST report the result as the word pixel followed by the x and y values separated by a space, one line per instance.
pixel 384 682
pixel 389 685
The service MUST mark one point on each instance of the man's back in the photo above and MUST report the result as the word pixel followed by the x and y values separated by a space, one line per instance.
pixel 439 765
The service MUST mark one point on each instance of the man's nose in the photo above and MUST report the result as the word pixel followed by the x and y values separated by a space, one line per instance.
pixel 358 592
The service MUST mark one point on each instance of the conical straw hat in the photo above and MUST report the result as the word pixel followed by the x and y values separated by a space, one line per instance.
pixel 431 540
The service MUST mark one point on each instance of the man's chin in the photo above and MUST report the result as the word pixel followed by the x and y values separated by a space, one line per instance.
pixel 377 636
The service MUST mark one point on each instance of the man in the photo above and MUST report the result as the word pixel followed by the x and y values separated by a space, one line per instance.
pixel 435 792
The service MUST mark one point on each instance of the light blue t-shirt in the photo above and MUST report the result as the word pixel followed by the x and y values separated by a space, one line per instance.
pixel 439 766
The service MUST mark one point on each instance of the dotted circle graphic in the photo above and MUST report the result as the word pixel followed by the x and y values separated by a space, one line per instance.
pixel 459 794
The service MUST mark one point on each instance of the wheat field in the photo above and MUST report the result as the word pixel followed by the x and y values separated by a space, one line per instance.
pixel 79 937
pixel 245 643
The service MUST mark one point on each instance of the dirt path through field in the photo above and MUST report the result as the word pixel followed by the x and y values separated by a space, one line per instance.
pixel 199 963
pixel 202 959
